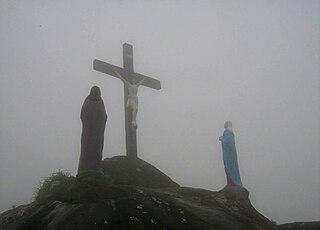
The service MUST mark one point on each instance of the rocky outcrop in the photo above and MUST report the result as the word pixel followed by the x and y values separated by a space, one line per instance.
pixel 300 226
pixel 135 195
pixel 123 171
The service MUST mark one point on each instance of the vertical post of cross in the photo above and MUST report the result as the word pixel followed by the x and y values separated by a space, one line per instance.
pixel 131 131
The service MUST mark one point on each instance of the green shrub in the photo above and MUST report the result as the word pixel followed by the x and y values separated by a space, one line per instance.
pixel 60 186
pixel 55 187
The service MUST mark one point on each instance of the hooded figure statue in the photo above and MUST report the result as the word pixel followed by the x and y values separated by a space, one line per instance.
pixel 94 118
pixel 230 156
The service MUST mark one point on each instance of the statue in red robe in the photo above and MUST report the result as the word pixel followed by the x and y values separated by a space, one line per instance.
pixel 94 118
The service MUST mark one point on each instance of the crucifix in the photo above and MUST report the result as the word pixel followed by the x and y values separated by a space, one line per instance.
pixel 127 74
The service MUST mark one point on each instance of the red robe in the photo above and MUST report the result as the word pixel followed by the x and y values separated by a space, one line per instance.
pixel 93 117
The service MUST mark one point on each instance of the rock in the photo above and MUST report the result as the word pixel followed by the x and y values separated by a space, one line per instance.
pixel 137 196
pixel 126 171
pixel 315 225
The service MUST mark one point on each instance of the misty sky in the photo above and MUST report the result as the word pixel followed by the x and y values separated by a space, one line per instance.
pixel 256 63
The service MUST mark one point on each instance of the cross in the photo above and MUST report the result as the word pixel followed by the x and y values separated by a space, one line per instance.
pixel 127 72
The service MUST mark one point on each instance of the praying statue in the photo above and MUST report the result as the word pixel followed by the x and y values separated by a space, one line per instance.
pixel 132 101
pixel 94 118
pixel 230 156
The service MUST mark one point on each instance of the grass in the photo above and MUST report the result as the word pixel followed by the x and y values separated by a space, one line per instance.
pixel 60 186
pixel 55 187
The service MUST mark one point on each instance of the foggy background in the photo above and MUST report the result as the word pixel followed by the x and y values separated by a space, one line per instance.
pixel 255 63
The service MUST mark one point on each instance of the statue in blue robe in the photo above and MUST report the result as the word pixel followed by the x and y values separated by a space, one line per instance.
pixel 230 156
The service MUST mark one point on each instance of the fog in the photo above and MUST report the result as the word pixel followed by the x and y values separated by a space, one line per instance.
pixel 255 63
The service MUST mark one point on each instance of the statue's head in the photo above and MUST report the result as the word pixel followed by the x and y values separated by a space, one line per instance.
pixel 134 80
pixel 95 93
pixel 228 125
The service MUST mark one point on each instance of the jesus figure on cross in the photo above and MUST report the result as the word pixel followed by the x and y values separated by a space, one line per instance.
pixel 132 101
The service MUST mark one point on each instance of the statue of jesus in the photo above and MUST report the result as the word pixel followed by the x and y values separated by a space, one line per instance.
pixel 132 101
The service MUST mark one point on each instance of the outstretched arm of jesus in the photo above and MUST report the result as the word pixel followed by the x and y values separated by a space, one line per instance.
pixel 140 82
pixel 124 80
